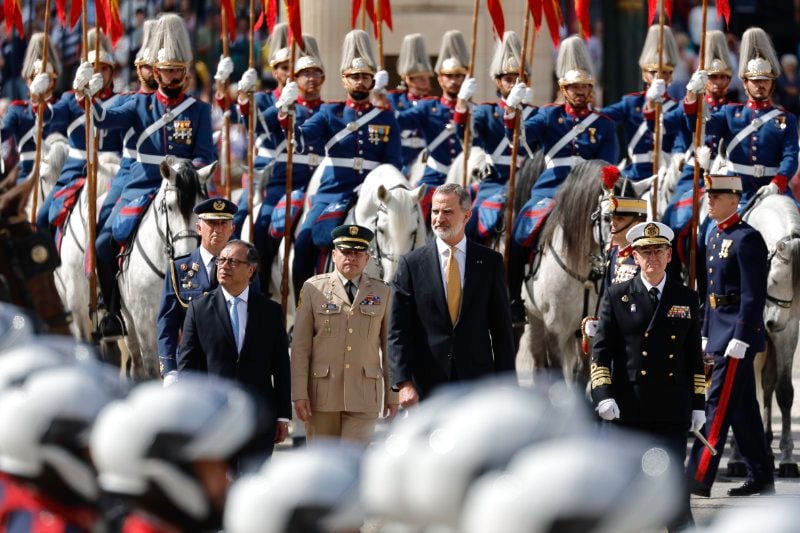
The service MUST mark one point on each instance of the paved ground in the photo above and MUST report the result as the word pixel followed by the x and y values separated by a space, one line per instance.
pixel 705 509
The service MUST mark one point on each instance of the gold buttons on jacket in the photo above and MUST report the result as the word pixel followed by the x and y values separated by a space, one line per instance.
pixel 644 372
pixel 671 356
pixel 644 353
pixel 646 335
pixel 349 348
pixel 673 337
pixel 349 330
pixel 347 365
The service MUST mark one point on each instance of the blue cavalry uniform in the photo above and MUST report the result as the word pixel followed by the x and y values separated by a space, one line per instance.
pixel 639 137
pixel 68 111
pixel 357 138
pixel 737 270
pixel 412 140
pixel 760 142
pixel 621 265
pixel 567 136
pixel 19 123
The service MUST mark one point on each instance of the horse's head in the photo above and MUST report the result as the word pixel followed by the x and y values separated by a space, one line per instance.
pixel 479 166
pixel 107 167
pixel 56 151
pixel 399 226
pixel 182 187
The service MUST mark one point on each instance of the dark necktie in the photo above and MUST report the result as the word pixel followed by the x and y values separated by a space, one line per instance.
pixel 212 274
pixel 350 288
pixel 654 296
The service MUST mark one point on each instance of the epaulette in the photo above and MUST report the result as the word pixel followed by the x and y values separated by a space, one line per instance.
pixel 21 103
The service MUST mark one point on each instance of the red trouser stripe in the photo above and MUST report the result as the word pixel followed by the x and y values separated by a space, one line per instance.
pixel 719 418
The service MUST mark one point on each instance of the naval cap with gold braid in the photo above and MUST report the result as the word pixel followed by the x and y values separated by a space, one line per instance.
pixel 650 234
pixel 351 237
pixel 215 209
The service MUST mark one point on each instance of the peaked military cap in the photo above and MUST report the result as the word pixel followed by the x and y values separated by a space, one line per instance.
pixel 351 237
pixel 650 234
pixel 729 184
pixel 215 209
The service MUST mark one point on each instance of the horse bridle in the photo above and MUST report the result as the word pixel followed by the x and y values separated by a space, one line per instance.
pixel 380 253
pixel 784 304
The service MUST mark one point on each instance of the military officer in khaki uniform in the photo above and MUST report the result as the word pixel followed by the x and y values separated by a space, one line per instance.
pixel 340 378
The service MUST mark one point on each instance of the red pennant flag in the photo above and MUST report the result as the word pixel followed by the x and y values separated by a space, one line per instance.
pixel 535 7
pixel 724 11
pixel 12 13
pixel 653 6
pixel 386 13
pixel 114 28
pixel 74 13
pixel 496 14
pixel 355 13
pixel 370 8
pixel 582 13
pixel 269 15
pixel 230 18
pixel 293 16
pixel 61 12
pixel 554 20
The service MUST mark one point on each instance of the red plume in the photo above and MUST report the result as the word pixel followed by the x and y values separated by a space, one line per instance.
pixel 609 175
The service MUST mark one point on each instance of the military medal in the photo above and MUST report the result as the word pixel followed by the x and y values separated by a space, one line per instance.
pixel 183 131
pixel 633 308
pixel 624 298
pixel 184 267
pixel 725 248
pixel 592 138
pixel 196 266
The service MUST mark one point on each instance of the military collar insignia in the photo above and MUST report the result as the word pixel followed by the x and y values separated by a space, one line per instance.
pixel 728 222
pixel 759 106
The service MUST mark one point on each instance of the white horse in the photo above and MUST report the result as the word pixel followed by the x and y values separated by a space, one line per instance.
pixel 166 231
pixel 55 151
pixel 564 284
pixel 71 280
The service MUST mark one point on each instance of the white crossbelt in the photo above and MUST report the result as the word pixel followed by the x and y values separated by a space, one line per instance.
pixel 266 152
pixel 569 161
pixel 577 129
pixel 497 156
pixel 163 121
pixel 356 163
pixel 436 165
pixel 81 120
pixel 148 159
pixel 412 142
pixel 642 129
pixel 352 128
pixel 128 152
pixel 28 135
pixel 642 158
pixel 754 126
pixel 27 156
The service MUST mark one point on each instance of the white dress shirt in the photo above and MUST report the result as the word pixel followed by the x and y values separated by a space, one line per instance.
pixel 206 257
pixel 241 309
pixel 444 255
pixel 660 285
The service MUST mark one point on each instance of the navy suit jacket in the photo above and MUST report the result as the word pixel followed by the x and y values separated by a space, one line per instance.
pixel 424 346
pixel 262 365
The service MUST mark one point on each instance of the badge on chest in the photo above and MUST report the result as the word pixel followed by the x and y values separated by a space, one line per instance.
pixel 725 248
pixel 378 133
pixel 183 132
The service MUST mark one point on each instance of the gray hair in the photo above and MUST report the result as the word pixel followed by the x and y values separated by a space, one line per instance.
pixel 454 188
pixel 252 252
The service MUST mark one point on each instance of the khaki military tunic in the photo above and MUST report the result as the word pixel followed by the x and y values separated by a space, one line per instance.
pixel 338 357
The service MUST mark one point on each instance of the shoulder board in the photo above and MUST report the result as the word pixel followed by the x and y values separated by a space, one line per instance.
pixel 21 103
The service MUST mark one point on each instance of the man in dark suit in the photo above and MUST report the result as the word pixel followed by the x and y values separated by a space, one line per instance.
pixel 450 318
pixel 647 361
pixel 238 333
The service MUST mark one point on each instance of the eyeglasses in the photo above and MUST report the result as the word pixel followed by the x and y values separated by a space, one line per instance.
pixel 233 261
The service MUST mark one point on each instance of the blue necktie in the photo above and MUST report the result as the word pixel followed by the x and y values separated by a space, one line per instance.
pixel 235 320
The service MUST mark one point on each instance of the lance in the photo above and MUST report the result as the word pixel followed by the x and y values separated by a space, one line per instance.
pixel 287 221
pixel 657 134
pixel 364 14
pixel 91 183
pixel 699 140
pixel 379 26
pixel 251 130
pixel 512 171
pixel 468 127
pixel 226 124
pixel 40 118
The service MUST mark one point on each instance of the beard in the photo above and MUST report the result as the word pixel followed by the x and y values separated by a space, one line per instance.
pixel 172 91
pixel 359 96
pixel 449 233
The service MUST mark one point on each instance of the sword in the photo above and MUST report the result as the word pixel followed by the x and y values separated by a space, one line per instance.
pixel 705 442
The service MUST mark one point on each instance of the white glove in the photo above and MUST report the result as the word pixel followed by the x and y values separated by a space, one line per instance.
pixel 608 409
pixel 698 420
pixel 736 349
pixel 698 82
pixel 248 82
pixel 82 76
pixel 528 96
pixel 40 84
pixel 517 95
pixel 289 95
pixel 467 90
pixel 95 84
pixel 769 189
pixel 224 69
pixel 170 378
pixel 655 93
pixel 381 81
pixel 590 328
pixel 703 343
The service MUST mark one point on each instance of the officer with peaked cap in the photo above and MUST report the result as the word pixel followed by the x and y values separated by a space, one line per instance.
pixel 733 332
pixel 568 134
pixel 309 75
pixel 340 375
pixel 165 123
pixel 488 126
pixel 265 143
pixel 357 137
pixel 415 71
pixel 19 121
pixel 433 118
pixel 629 112
pixel 647 362
pixel 191 277
pixel 760 139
